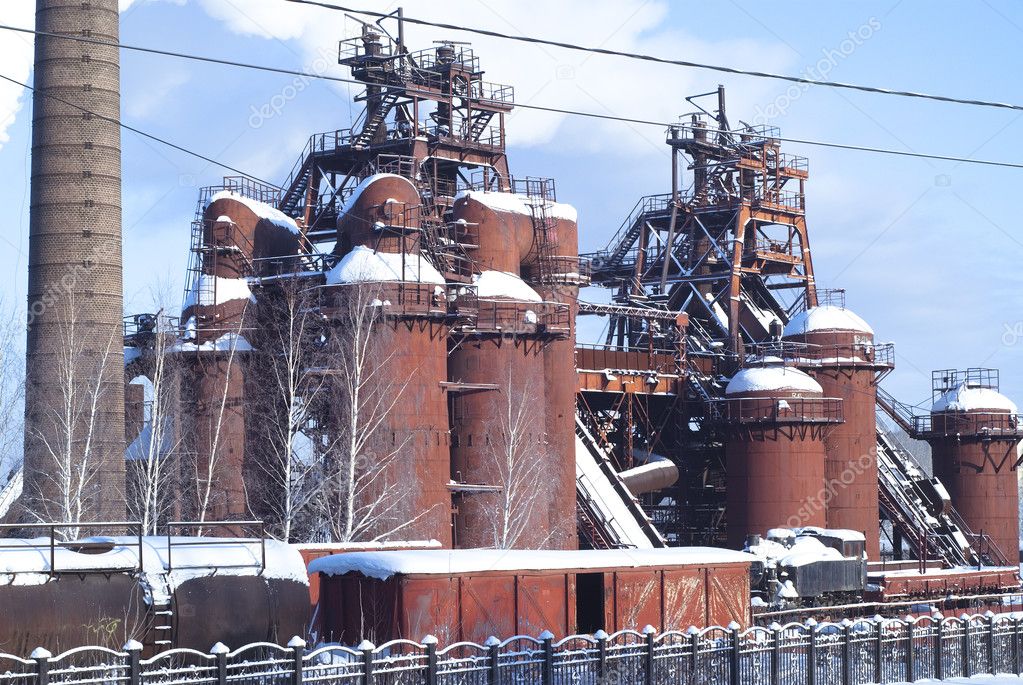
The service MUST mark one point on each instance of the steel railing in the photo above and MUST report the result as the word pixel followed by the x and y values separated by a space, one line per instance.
pixel 850 652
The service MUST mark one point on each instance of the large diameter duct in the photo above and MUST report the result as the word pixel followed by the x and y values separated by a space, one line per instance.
pixel 379 238
pixel 974 435
pixel 836 347
pixel 774 450
pixel 75 298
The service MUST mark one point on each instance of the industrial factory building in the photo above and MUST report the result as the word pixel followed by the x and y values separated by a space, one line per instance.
pixel 384 350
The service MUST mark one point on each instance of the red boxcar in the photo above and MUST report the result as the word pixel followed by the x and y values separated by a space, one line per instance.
pixel 472 594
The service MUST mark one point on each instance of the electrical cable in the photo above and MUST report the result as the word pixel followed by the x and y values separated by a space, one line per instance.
pixel 137 131
pixel 540 108
pixel 665 60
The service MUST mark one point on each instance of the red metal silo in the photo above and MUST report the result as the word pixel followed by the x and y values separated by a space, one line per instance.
pixel 775 419
pixel 560 278
pixel 974 432
pixel 837 348
pixel 510 437
pixel 381 266
pixel 236 231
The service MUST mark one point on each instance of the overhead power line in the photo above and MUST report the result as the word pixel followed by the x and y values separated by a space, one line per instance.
pixel 150 136
pixel 665 60
pixel 539 108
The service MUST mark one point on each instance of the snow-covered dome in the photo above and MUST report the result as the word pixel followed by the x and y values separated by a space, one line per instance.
pixel 366 183
pixel 825 318
pixel 767 378
pixel 967 398
pixel 363 265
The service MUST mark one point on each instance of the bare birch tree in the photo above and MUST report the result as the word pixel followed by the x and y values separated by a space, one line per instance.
pixel 69 429
pixel 288 386
pixel 150 457
pixel 367 494
pixel 518 464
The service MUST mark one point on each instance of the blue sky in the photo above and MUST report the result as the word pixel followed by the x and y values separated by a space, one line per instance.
pixel 928 251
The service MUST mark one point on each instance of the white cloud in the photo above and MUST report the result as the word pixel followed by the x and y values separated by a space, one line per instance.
pixel 544 75
pixel 16 60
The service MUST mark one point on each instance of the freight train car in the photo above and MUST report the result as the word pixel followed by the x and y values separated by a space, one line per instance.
pixel 163 592
pixel 459 595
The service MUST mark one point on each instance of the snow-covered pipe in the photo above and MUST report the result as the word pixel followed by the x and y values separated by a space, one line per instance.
pixel 657 473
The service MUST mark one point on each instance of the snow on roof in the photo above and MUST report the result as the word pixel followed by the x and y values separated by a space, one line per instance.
pixel 383 565
pixel 761 378
pixel 260 209
pixel 825 318
pixel 519 204
pixel 141 447
pixel 967 398
pixel 804 550
pixel 131 354
pixel 493 284
pixel 213 290
pixel 363 265
pixel 366 183
pixel 27 561
pixel 843 534
pixel 224 343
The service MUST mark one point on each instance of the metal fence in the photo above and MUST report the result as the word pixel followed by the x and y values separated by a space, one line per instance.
pixel 850 653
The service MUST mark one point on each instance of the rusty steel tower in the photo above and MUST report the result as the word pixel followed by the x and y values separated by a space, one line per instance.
pixel 74 403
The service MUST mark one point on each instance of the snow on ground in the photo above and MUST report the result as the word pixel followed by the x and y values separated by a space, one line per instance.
pixel 519 204
pixel 363 265
pixel 826 318
pixel 260 209
pixel 757 379
pixel 493 284
pixel 966 398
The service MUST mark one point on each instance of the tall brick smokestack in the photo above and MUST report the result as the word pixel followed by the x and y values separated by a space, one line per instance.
pixel 74 404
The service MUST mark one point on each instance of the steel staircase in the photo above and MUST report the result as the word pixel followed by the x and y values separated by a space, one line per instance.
pixel 610 516
pixel 919 506
pixel 375 119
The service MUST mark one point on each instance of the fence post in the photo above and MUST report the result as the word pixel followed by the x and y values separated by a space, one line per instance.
pixel 1015 643
pixel 547 638
pixel 878 648
pixel 42 658
pixel 846 652
pixel 297 645
pixel 648 654
pixel 492 644
pixel 939 661
pixel 775 653
pixel 694 640
pixel 811 652
pixel 601 637
pixel 910 662
pixel 430 642
pixel 733 627
pixel 967 671
pixel 134 650
pixel 367 647
pixel 220 651
pixel 990 616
